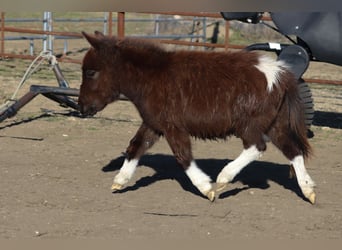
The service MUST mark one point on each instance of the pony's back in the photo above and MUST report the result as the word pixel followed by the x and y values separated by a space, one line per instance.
pixel 216 94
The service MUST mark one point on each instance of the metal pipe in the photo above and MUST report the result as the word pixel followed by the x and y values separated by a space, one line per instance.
pixel 50 27
pixel 59 75
pixel 13 109
pixel 47 27
pixel 62 100
pixel 183 13
pixel 41 32
pixel 29 57
pixel 45 23
pixel 39 89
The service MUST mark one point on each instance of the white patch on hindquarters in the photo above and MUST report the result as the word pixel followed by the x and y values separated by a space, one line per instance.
pixel 126 171
pixel 228 173
pixel 272 69
pixel 198 178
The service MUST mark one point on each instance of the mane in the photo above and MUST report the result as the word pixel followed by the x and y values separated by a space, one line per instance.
pixel 140 44
pixel 142 52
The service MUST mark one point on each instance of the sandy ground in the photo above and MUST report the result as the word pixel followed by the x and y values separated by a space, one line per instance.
pixel 56 171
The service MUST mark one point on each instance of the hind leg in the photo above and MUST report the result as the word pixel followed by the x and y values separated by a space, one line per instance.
pixel 305 182
pixel 292 151
pixel 250 153
pixel 142 141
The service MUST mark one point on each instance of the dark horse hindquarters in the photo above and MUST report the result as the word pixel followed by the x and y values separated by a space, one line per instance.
pixel 202 94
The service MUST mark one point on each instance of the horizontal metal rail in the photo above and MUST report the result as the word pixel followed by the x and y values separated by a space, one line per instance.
pixel 42 32
pixel 57 94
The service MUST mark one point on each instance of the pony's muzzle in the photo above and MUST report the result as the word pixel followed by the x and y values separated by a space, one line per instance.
pixel 90 110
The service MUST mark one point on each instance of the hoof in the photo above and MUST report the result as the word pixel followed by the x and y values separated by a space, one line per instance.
pixel 312 198
pixel 211 195
pixel 116 187
pixel 220 186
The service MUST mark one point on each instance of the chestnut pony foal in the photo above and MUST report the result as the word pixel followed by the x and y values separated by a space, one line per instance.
pixel 208 95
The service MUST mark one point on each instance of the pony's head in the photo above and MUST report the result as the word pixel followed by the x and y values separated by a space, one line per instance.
pixel 98 87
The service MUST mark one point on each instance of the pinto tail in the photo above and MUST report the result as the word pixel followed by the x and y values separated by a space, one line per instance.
pixel 296 118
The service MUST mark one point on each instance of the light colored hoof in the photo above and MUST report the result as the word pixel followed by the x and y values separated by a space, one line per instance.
pixel 116 187
pixel 312 197
pixel 211 195
pixel 220 186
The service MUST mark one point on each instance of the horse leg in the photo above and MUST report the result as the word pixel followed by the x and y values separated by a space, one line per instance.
pixel 251 152
pixel 180 145
pixel 142 141
pixel 281 138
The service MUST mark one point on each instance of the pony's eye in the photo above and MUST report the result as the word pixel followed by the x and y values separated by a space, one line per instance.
pixel 91 74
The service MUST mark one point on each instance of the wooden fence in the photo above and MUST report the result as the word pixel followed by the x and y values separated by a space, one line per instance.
pixel 120 22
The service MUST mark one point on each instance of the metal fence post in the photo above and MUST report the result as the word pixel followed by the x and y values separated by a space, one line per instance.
pixel 47 27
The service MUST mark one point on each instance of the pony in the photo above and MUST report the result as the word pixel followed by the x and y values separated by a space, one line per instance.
pixel 203 94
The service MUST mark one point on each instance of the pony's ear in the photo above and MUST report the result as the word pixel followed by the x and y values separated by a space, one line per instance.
pixel 94 40
pixel 99 34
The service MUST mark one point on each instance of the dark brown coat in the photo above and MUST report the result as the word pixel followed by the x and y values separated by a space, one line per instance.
pixel 207 95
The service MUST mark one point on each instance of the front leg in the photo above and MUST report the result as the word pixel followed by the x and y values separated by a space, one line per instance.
pixel 181 147
pixel 142 141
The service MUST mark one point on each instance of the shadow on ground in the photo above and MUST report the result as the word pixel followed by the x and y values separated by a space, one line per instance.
pixel 321 118
pixel 255 175
pixel 328 119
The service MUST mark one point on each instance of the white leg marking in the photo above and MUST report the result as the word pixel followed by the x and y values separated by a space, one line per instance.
pixel 198 178
pixel 271 68
pixel 228 173
pixel 126 172
pixel 304 180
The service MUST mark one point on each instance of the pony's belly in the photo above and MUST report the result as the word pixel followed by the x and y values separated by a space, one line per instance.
pixel 211 129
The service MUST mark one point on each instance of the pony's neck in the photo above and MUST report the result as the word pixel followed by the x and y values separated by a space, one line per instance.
pixel 139 64
pixel 132 85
